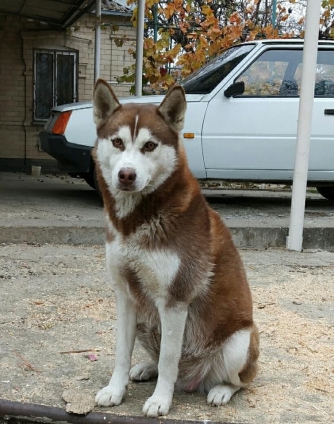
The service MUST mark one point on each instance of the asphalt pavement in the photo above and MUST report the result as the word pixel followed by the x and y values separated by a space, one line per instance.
pixel 59 209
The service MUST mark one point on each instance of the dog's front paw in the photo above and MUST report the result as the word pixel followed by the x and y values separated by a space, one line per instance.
pixel 155 406
pixel 109 396
pixel 220 395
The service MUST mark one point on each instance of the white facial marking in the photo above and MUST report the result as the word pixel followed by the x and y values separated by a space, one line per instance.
pixel 144 135
pixel 151 168
pixel 125 134
pixel 108 156
pixel 136 123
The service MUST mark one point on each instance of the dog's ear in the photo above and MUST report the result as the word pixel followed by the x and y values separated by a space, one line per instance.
pixel 104 102
pixel 173 108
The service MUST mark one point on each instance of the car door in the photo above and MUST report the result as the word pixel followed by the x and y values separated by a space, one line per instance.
pixel 253 136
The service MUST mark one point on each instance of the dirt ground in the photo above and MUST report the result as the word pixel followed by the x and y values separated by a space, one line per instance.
pixel 57 331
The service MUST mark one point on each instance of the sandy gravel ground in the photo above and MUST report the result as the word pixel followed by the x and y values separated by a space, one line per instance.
pixel 57 331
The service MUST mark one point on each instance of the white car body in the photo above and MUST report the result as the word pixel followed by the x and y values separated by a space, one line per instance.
pixel 242 137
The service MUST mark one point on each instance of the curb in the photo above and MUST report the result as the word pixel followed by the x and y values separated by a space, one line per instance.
pixel 244 237
pixel 53 235
pixel 275 237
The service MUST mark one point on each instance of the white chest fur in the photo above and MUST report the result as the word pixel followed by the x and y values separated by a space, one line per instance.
pixel 156 269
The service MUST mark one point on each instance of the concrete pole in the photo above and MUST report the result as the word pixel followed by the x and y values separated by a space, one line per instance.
pixel 295 238
pixel 139 48
pixel 97 51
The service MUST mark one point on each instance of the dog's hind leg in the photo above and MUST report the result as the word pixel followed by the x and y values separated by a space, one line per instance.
pixel 144 372
pixel 236 367
pixel 221 394
pixel 149 338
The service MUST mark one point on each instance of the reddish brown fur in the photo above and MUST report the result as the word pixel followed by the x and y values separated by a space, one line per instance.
pixel 250 370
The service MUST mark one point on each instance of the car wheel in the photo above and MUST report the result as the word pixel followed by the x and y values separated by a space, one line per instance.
pixel 89 178
pixel 326 191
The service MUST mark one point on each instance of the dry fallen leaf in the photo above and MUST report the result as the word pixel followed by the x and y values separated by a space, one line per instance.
pixel 78 403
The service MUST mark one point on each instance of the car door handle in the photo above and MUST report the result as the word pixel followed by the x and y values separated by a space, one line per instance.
pixel 329 111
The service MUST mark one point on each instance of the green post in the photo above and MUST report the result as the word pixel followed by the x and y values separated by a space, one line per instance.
pixel 155 22
pixel 273 16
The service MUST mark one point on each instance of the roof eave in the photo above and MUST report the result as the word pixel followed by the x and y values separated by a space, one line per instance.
pixel 78 14
pixel 113 12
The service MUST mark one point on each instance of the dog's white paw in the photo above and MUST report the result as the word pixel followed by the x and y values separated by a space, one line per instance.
pixel 143 372
pixel 156 406
pixel 109 396
pixel 220 395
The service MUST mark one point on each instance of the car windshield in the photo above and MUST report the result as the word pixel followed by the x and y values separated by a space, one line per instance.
pixel 205 79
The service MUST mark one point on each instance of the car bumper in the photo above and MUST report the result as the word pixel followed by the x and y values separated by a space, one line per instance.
pixel 70 157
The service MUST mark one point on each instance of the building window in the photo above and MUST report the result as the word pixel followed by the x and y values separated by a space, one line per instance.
pixel 55 80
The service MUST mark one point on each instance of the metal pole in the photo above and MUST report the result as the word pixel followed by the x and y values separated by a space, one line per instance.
pixel 97 51
pixel 139 47
pixel 273 14
pixel 295 238
pixel 155 22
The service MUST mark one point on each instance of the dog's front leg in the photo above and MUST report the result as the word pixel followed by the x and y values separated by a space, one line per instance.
pixel 173 320
pixel 112 394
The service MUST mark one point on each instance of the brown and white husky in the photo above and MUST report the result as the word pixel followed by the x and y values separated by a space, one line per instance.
pixel 179 282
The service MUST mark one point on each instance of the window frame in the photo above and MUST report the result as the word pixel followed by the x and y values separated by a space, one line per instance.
pixel 212 67
pixel 55 52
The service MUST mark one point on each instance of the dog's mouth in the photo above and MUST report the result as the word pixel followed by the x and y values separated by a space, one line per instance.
pixel 127 188
pixel 135 187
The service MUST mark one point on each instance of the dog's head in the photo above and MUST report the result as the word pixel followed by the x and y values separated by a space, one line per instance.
pixel 137 144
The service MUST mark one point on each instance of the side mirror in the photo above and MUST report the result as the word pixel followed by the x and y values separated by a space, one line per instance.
pixel 235 89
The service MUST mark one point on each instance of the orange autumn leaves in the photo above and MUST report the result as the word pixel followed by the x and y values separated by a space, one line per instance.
pixel 189 33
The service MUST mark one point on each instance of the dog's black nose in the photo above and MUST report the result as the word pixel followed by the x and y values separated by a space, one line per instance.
pixel 127 176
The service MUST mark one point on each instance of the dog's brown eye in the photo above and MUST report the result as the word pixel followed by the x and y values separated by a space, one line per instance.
pixel 117 142
pixel 149 146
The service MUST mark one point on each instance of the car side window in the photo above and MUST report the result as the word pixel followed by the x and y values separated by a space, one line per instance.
pixel 277 73
pixel 324 77
pixel 272 74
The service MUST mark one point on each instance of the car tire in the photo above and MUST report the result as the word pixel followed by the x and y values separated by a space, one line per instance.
pixel 326 191
pixel 89 178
